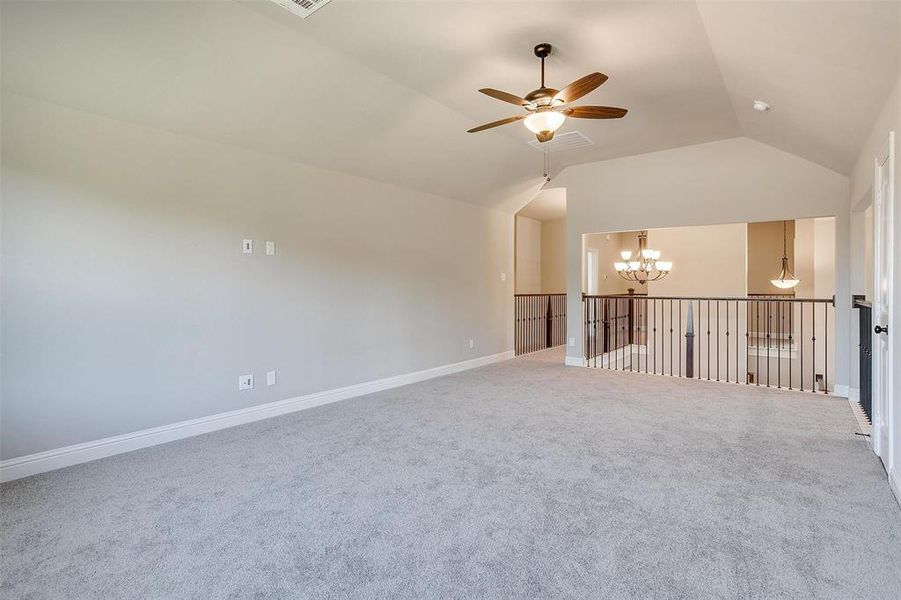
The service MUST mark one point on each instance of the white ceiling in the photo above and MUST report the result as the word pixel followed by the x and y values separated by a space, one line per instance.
pixel 386 90
pixel 548 205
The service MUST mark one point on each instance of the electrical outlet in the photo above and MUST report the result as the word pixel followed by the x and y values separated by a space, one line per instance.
pixel 270 378
pixel 270 248
pixel 248 246
pixel 471 344
pixel 572 341
pixel 503 277
pixel 245 382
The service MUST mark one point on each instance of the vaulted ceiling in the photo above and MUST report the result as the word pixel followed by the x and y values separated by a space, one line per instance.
pixel 386 90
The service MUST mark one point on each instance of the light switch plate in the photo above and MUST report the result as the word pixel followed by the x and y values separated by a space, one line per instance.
pixel 270 248
pixel 245 382
pixel 503 277
pixel 270 378
pixel 248 246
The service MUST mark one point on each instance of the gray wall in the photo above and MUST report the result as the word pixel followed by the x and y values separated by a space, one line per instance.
pixel 127 303
pixel 730 181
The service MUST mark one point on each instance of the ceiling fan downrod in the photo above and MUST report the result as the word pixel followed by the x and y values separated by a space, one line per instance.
pixel 542 51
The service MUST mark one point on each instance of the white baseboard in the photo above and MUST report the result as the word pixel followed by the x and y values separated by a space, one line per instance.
pixel 32 464
pixel 894 482
pixel 574 361
pixel 853 394
pixel 842 391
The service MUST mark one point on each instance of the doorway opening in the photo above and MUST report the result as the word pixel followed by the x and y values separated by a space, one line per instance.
pixel 716 308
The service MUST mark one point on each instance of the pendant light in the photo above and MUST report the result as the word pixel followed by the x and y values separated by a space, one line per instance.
pixel 786 279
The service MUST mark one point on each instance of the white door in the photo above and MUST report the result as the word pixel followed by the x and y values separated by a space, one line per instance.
pixel 883 442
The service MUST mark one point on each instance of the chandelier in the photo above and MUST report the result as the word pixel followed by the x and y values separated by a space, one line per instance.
pixel 786 279
pixel 646 265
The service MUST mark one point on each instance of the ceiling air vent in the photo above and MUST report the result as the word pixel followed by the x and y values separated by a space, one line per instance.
pixel 302 8
pixel 563 141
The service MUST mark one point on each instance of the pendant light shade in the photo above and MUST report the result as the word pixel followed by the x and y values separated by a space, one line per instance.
pixel 786 279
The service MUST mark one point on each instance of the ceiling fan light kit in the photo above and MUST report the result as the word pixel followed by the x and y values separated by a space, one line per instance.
pixel 546 107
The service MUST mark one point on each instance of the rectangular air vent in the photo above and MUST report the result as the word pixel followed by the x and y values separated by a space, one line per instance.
pixel 302 8
pixel 563 141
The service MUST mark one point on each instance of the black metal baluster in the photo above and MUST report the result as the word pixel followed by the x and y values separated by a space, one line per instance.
pixel 747 340
pixel 717 340
pixel 593 315
pixel 608 346
pixel 767 319
pixel 631 330
pixel 647 343
pixel 727 341
pixel 801 337
pixel 613 349
pixel 655 335
pixel 826 347
pixel 680 338
pixel 708 340
pixel 636 333
pixel 528 324
pixel 779 345
pixel 627 333
pixel 671 338
pixel 813 353
pixel 525 324
pixel 791 342
pixel 757 338
pixel 700 338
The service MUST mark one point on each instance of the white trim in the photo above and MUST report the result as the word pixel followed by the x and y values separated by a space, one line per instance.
pixel 842 391
pixel 894 482
pixel 853 393
pixel 32 464
pixel 574 361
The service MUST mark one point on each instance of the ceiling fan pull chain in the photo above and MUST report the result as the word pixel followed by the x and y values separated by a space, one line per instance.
pixel 547 161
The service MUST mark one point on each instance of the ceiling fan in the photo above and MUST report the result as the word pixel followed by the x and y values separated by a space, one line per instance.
pixel 546 109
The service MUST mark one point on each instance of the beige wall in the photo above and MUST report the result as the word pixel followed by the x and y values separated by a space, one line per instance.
pixel 553 256
pixel 707 260
pixel 608 247
pixel 765 254
pixel 814 249
pixel 528 256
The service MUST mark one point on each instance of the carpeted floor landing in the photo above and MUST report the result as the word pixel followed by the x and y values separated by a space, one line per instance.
pixel 524 479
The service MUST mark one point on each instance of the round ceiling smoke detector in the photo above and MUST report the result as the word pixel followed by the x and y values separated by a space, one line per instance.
pixel 761 106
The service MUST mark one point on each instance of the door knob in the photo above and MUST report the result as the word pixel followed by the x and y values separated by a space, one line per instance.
pixel 881 329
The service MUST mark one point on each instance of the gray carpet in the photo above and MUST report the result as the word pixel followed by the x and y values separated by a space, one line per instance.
pixel 521 479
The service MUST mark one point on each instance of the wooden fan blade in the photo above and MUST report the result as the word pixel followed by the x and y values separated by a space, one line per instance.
pixel 580 87
pixel 595 112
pixel 496 123
pixel 504 96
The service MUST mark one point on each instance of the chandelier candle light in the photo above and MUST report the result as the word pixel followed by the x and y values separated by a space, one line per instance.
pixel 645 266
pixel 786 279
